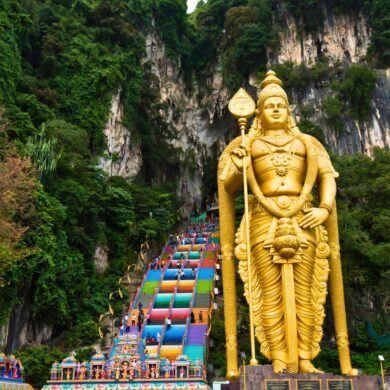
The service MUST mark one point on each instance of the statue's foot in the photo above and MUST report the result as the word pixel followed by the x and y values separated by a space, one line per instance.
pixel 278 366
pixel 232 375
pixel 306 367
pixel 352 372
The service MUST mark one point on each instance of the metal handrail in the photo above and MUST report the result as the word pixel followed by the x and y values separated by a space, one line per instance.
pixel 139 290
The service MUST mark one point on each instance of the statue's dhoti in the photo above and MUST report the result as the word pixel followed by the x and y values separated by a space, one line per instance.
pixel 276 243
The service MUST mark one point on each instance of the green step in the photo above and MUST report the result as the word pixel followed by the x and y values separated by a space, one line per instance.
pixel 194 255
pixel 162 301
pixel 150 287
pixel 182 300
pixel 204 286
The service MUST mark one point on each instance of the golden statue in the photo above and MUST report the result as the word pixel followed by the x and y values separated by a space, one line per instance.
pixel 293 245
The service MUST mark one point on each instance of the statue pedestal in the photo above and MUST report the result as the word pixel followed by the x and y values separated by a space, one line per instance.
pixel 263 378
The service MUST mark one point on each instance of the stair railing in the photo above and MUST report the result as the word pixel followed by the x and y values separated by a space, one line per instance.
pixel 162 338
pixel 210 315
pixel 173 300
pixel 113 348
pixel 188 321
pixel 193 297
pixel 184 340
pixel 171 305
pixel 141 341
pixel 133 304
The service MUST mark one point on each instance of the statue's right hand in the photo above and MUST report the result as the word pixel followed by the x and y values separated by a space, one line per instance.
pixel 237 155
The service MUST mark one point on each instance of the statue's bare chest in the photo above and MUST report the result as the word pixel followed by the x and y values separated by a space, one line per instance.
pixel 278 155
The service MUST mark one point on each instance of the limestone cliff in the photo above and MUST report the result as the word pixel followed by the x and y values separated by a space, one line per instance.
pixel 194 117
pixel 20 330
pixel 123 153
pixel 355 137
pixel 341 38
pixel 196 120
pixel 345 39
pixel 200 117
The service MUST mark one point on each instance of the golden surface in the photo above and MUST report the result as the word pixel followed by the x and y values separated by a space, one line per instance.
pixel 293 245
pixel 242 106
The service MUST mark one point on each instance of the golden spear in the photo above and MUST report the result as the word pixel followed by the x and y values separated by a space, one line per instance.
pixel 242 107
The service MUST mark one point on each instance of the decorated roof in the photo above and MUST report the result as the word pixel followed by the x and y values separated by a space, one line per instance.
pixel 182 358
pixel 70 361
pixel 11 371
pixel 98 358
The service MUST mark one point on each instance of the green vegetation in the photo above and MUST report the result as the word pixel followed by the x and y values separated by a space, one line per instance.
pixel 37 361
pixel 333 108
pixel 356 86
pixel 307 126
pixel 64 62
pixel 237 32
pixel 295 77
pixel 17 185
pixel 364 216
pixel 171 23
pixel 380 34
pixel 352 94
pixel 307 13
pixel 248 32
pixel 63 66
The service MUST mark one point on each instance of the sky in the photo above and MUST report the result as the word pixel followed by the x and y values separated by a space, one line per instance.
pixel 191 4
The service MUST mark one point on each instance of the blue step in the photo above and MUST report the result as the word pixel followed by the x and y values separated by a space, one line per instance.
pixel 153 275
pixel 206 274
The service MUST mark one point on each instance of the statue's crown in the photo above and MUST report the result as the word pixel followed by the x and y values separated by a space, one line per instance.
pixel 271 86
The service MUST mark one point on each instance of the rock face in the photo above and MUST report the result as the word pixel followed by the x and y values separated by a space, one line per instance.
pixel 355 137
pixel 124 157
pixel 20 328
pixel 201 119
pixel 341 38
pixel 101 259
pixel 195 118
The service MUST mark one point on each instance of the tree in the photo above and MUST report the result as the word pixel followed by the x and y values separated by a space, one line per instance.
pixel 37 361
pixel 17 186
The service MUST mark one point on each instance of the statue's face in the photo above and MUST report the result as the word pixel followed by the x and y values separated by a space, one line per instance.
pixel 274 113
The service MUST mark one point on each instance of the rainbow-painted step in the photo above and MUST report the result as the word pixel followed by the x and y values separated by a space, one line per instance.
pixel 169 349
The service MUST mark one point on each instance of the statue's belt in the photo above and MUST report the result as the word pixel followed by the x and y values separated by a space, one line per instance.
pixel 266 233
pixel 282 202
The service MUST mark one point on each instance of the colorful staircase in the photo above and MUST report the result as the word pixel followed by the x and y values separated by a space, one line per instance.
pixel 177 301
pixel 194 352
pixel 196 334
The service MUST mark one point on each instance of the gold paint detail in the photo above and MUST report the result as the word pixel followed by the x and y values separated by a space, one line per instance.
pixel 284 266
pixel 241 105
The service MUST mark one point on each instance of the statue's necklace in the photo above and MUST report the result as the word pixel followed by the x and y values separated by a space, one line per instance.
pixel 281 157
